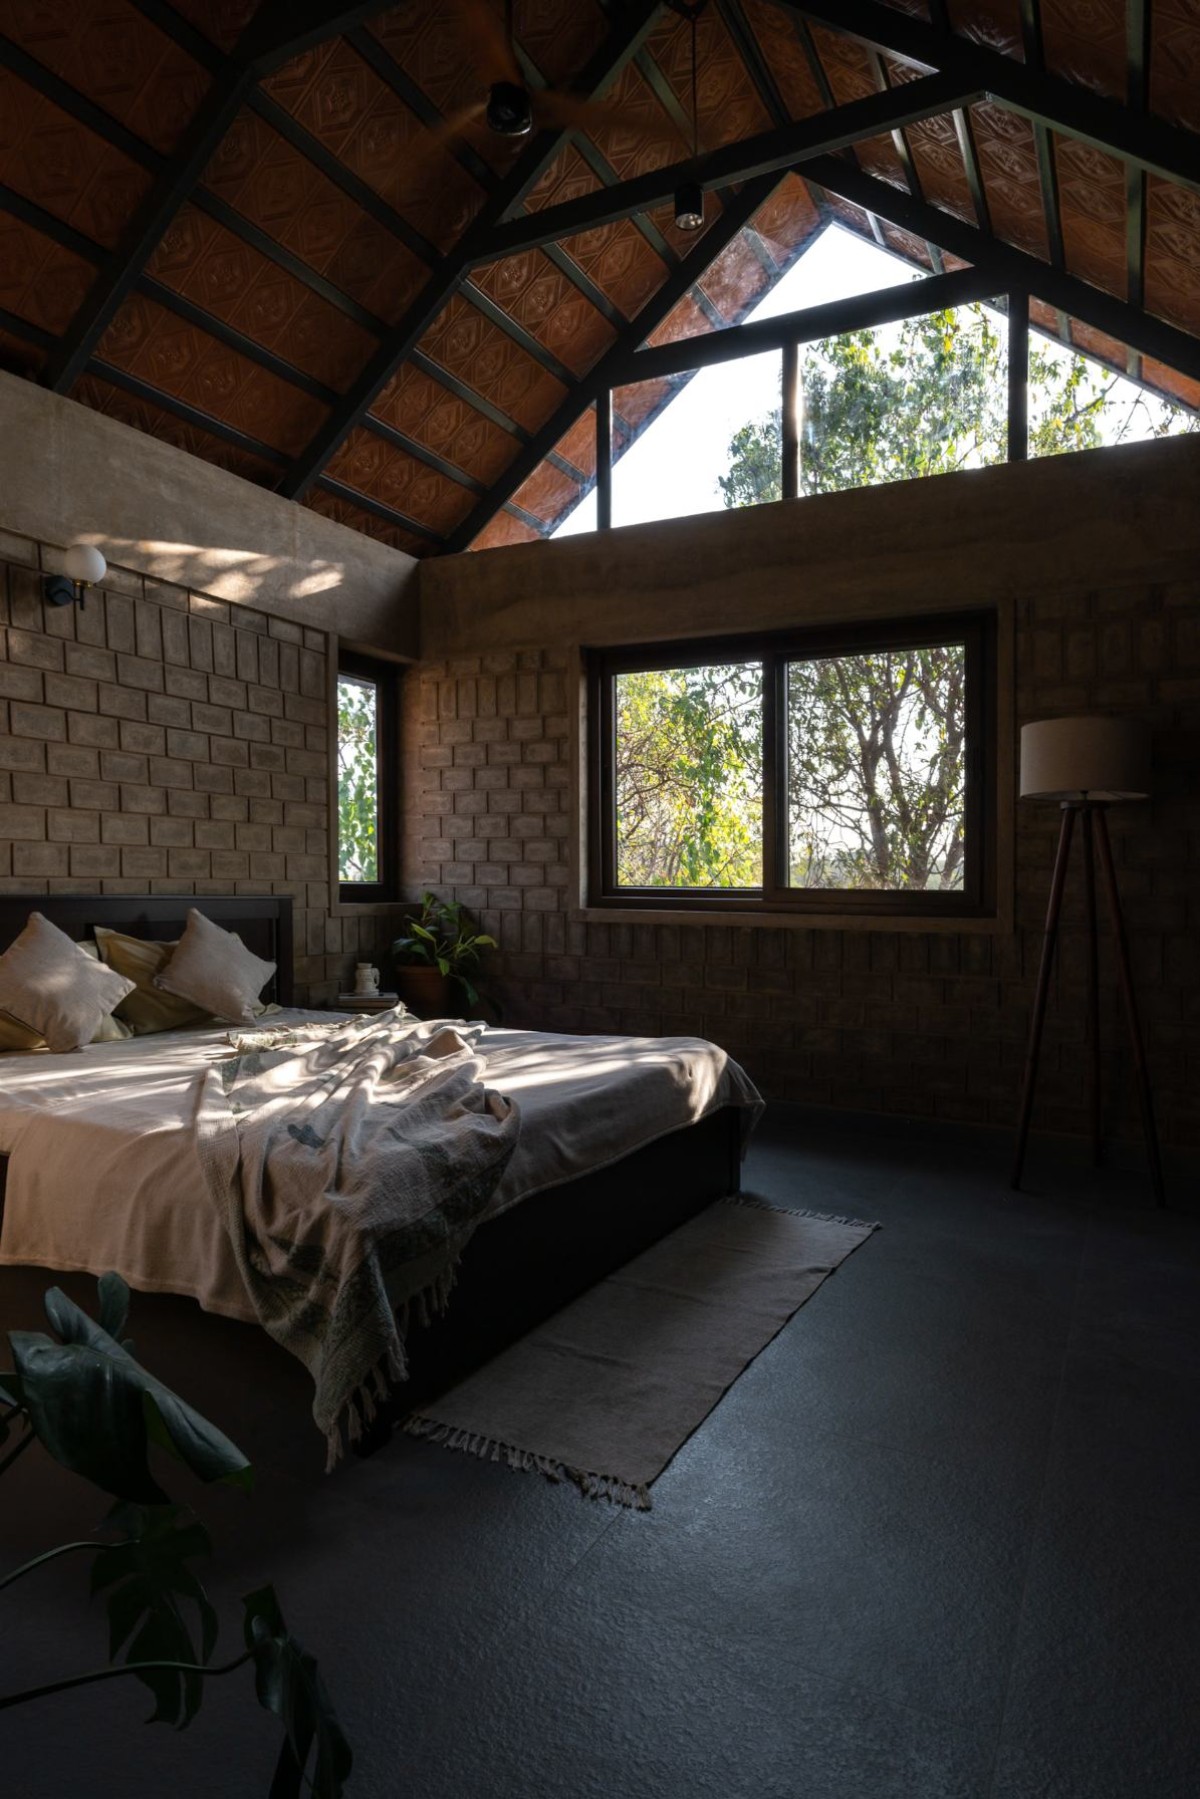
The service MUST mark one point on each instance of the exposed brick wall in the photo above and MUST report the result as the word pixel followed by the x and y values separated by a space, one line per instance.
pixel 928 1023
pixel 161 741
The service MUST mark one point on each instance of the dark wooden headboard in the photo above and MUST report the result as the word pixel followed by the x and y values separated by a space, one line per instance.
pixel 263 922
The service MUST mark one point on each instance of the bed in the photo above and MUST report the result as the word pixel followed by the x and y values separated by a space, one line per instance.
pixel 620 1141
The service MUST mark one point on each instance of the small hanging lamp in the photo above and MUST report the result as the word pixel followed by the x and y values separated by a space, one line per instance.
pixel 689 195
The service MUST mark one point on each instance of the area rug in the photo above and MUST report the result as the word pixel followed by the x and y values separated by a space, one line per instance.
pixel 607 1390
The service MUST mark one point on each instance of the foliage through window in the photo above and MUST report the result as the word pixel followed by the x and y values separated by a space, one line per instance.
pixel 366 775
pixel 852 770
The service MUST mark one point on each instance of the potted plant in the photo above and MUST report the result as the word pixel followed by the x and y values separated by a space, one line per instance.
pixel 84 1399
pixel 437 958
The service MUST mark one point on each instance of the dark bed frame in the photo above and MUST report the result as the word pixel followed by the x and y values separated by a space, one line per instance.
pixel 519 1267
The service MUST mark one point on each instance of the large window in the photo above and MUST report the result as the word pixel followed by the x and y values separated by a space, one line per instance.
pixel 849 770
pixel 366 779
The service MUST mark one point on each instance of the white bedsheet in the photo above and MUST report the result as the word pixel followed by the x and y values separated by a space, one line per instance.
pixel 103 1170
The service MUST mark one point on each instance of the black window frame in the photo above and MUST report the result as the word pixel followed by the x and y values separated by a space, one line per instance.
pixel 976 629
pixel 385 678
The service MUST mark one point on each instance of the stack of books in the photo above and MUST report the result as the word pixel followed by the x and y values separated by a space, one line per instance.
pixel 368 1002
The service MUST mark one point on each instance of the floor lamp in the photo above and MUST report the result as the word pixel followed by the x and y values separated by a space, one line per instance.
pixel 1087 765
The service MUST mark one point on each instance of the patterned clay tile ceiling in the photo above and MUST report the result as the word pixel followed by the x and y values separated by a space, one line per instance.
pixel 415 403
pixel 39 279
pixel 348 108
pixel 158 422
pixel 53 160
pixel 119 59
pixel 1085 41
pixel 1008 163
pixel 297 320
pixel 209 265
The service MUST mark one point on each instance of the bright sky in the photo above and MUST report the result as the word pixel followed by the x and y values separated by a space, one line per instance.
pixel 672 469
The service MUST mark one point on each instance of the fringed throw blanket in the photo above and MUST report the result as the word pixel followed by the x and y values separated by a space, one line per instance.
pixel 350 1164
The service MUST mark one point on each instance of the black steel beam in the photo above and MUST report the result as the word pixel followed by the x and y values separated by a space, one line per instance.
pixel 1137 37
pixel 622 43
pixel 168 192
pixel 903 150
pixel 772 152
pixel 1011 268
pixel 858 312
pixel 1018 376
pixel 789 411
pixel 604 460
pixel 740 211
pixel 1162 149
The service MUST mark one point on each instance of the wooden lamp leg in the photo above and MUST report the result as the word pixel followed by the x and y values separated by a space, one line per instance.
pixel 1093 984
pixel 1043 988
pixel 1125 974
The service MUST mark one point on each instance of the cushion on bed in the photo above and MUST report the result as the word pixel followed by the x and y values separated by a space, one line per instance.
pixel 148 1008
pixel 214 969
pixel 17 1036
pixel 49 985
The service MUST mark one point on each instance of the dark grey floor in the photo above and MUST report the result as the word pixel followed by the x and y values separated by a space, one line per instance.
pixel 940 1539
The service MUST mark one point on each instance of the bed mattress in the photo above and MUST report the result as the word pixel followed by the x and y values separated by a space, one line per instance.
pixel 103 1171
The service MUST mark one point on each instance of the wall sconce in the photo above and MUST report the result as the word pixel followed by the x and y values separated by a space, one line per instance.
pixel 83 567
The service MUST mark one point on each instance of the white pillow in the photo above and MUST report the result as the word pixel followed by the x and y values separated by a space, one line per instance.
pixel 49 984
pixel 214 969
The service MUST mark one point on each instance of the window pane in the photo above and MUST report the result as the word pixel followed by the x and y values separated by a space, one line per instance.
pixel 923 397
pixel 358 779
pixel 676 439
pixel 688 776
pixel 877 770
pixel 1087 390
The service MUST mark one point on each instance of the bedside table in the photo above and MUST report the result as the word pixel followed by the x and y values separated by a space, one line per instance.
pixel 358 1002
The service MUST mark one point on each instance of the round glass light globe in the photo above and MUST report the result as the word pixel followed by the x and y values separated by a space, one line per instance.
pixel 83 562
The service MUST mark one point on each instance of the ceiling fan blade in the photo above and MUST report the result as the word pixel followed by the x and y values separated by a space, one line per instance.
pixel 554 106
pixel 458 124
pixel 487 43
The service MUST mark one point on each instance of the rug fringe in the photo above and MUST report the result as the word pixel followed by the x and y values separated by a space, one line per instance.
pixel 766 1205
pixel 491 1449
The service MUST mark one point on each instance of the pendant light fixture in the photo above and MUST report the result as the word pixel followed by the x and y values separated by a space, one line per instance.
pixel 689 195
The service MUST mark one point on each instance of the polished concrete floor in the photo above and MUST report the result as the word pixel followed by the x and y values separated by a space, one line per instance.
pixel 939 1542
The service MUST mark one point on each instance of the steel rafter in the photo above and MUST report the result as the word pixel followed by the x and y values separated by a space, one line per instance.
pixel 1013 268
pixel 809 324
pixel 619 47
pixel 739 211
pixel 1159 148
pixel 770 153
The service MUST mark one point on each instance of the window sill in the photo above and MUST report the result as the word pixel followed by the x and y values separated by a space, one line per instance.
pixel 996 924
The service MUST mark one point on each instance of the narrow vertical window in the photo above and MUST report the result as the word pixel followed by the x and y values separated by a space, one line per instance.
pixel 367 775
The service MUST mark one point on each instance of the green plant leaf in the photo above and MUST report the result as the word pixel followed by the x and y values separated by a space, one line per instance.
pixel 148 1583
pixel 289 1684
pixel 96 1410
pixel 114 1304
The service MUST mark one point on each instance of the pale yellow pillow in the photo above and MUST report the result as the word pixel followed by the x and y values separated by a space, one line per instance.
pixel 148 1008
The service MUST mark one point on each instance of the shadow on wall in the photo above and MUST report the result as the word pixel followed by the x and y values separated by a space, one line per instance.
pixel 205 568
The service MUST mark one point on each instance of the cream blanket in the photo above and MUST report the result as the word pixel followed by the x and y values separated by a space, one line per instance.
pixel 350 1163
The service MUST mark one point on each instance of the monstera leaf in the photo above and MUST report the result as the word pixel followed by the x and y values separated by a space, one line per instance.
pixel 148 1585
pixel 288 1683
pixel 96 1410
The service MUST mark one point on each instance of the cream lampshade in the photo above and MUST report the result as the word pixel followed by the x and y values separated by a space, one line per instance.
pixel 1092 758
